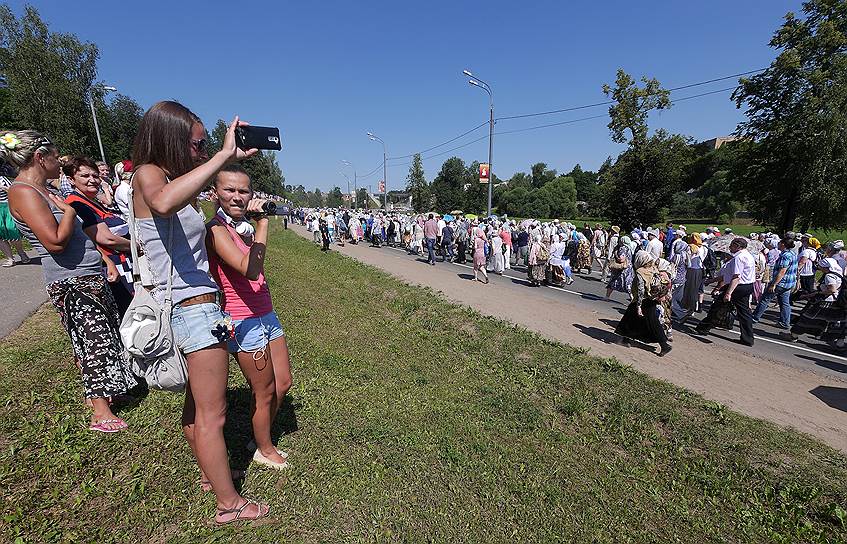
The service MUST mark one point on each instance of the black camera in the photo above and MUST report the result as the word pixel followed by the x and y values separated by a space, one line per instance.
pixel 268 208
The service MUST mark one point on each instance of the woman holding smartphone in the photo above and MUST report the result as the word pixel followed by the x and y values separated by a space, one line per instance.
pixel 172 168
pixel 237 258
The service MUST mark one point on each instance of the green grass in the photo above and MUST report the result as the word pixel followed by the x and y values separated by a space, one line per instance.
pixel 412 419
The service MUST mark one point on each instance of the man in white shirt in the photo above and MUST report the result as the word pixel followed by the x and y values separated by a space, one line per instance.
pixel 736 285
pixel 654 245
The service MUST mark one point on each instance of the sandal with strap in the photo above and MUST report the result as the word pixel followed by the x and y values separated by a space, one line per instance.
pixel 105 426
pixel 262 511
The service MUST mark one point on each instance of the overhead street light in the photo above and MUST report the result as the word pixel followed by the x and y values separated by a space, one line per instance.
pixel 376 138
pixel 105 89
pixel 477 82
pixel 355 180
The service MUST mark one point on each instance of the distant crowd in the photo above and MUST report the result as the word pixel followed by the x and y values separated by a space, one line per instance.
pixel 665 273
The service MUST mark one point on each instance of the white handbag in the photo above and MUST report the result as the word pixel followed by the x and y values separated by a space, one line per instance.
pixel 146 330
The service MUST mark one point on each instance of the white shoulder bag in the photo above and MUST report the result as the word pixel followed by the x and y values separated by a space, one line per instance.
pixel 146 330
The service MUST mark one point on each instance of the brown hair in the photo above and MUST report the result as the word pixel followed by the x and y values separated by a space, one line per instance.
pixel 29 143
pixel 233 168
pixel 164 135
pixel 72 165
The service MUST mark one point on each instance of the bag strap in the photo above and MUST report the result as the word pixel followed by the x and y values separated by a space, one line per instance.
pixel 133 244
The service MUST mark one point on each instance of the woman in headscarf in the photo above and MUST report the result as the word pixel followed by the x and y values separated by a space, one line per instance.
pixel 692 294
pixel 497 258
pixel 556 263
pixel 642 320
pixel 680 258
pixel 822 317
pixel 583 253
pixel 620 268
pixel 538 256
pixel 479 254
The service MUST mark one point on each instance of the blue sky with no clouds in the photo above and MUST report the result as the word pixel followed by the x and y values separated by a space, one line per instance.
pixel 328 72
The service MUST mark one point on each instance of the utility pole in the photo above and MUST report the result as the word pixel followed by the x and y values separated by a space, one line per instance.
pixel 476 82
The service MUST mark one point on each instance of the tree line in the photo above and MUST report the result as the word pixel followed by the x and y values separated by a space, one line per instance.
pixel 46 81
pixel 787 165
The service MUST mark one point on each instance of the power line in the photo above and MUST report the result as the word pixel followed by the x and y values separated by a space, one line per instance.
pixel 441 144
pixel 707 93
pixel 609 102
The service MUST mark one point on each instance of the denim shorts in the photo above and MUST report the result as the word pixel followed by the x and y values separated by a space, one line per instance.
pixel 198 326
pixel 254 333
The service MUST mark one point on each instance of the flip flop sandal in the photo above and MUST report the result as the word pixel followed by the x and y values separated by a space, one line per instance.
pixel 239 513
pixel 103 426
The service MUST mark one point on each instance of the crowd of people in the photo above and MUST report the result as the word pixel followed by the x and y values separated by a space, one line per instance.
pixel 83 219
pixel 665 273
pixel 86 221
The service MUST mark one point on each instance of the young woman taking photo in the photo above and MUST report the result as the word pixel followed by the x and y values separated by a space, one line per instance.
pixel 172 168
pixel 237 258
pixel 72 273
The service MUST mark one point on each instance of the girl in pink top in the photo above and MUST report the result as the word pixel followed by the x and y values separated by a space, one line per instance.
pixel 236 260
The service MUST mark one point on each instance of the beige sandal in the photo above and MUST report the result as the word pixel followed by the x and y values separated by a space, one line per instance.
pixel 263 511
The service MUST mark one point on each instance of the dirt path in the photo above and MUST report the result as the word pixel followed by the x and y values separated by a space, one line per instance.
pixel 749 384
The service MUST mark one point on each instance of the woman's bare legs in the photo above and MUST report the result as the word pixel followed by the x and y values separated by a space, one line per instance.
pixel 282 371
pixel 19 247
pixel 203 417
pixel 259 370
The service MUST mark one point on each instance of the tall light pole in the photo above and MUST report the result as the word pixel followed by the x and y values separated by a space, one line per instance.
pixel 348 180
pixel 375 138
pixel 355 181
pixel 476 82
pixel 105 88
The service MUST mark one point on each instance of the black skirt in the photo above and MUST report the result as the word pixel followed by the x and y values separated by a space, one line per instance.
pixel 645 328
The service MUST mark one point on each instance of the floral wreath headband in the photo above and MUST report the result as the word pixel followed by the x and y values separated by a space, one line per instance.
pixel 11 141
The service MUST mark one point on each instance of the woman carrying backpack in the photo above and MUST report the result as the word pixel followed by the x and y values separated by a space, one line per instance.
pixel 642 320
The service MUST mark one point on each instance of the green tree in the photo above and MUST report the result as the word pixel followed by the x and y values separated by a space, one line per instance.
pixel 632 105
pixel 641 184
pixel 643 180
pixel 448 185
pixel 49 76
pixel 334 198
pixel 476 193
pixel 119 121
pixel 541 175
pixel 417 185
pixel 560 194
pixel 796 113
pixel 585 181
pixel 315 198
pixel 362 200
pixel 513 201
pixel 520 179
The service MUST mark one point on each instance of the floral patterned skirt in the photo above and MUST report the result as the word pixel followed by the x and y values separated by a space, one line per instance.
pixel 90 317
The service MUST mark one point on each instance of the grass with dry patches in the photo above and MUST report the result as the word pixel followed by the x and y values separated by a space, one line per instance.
pixel 412 419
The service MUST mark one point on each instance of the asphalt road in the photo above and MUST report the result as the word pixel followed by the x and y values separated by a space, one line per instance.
pixel 587 290
pixel 21 293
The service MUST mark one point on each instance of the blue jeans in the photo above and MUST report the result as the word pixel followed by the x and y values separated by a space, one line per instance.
pixel 782 295
pixel 430 248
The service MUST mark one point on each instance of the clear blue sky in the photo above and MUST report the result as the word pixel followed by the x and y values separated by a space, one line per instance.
pixel 327 72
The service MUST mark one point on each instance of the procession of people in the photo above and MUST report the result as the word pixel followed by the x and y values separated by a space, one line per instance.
pixel 664 273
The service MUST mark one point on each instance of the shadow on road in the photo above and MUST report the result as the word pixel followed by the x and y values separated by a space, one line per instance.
pixel 834 397
pixel 465 276
pixel 832 365
pixel 609 337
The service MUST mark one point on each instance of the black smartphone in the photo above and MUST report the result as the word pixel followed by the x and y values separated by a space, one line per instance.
pixel 250 137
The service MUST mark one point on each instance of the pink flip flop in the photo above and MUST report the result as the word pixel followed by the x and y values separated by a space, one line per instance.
pixel 103 426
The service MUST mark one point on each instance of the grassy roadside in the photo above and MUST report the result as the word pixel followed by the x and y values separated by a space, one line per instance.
pixel 412 419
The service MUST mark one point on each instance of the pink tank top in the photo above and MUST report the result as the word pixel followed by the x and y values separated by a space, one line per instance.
pixel 243 298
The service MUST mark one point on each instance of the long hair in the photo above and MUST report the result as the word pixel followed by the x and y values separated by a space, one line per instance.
pixel 164 135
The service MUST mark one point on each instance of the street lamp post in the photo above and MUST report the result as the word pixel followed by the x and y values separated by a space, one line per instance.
pixel 355 182
pixel 348 180
pixel 373 137
pixel 476 82
pixel 106 88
